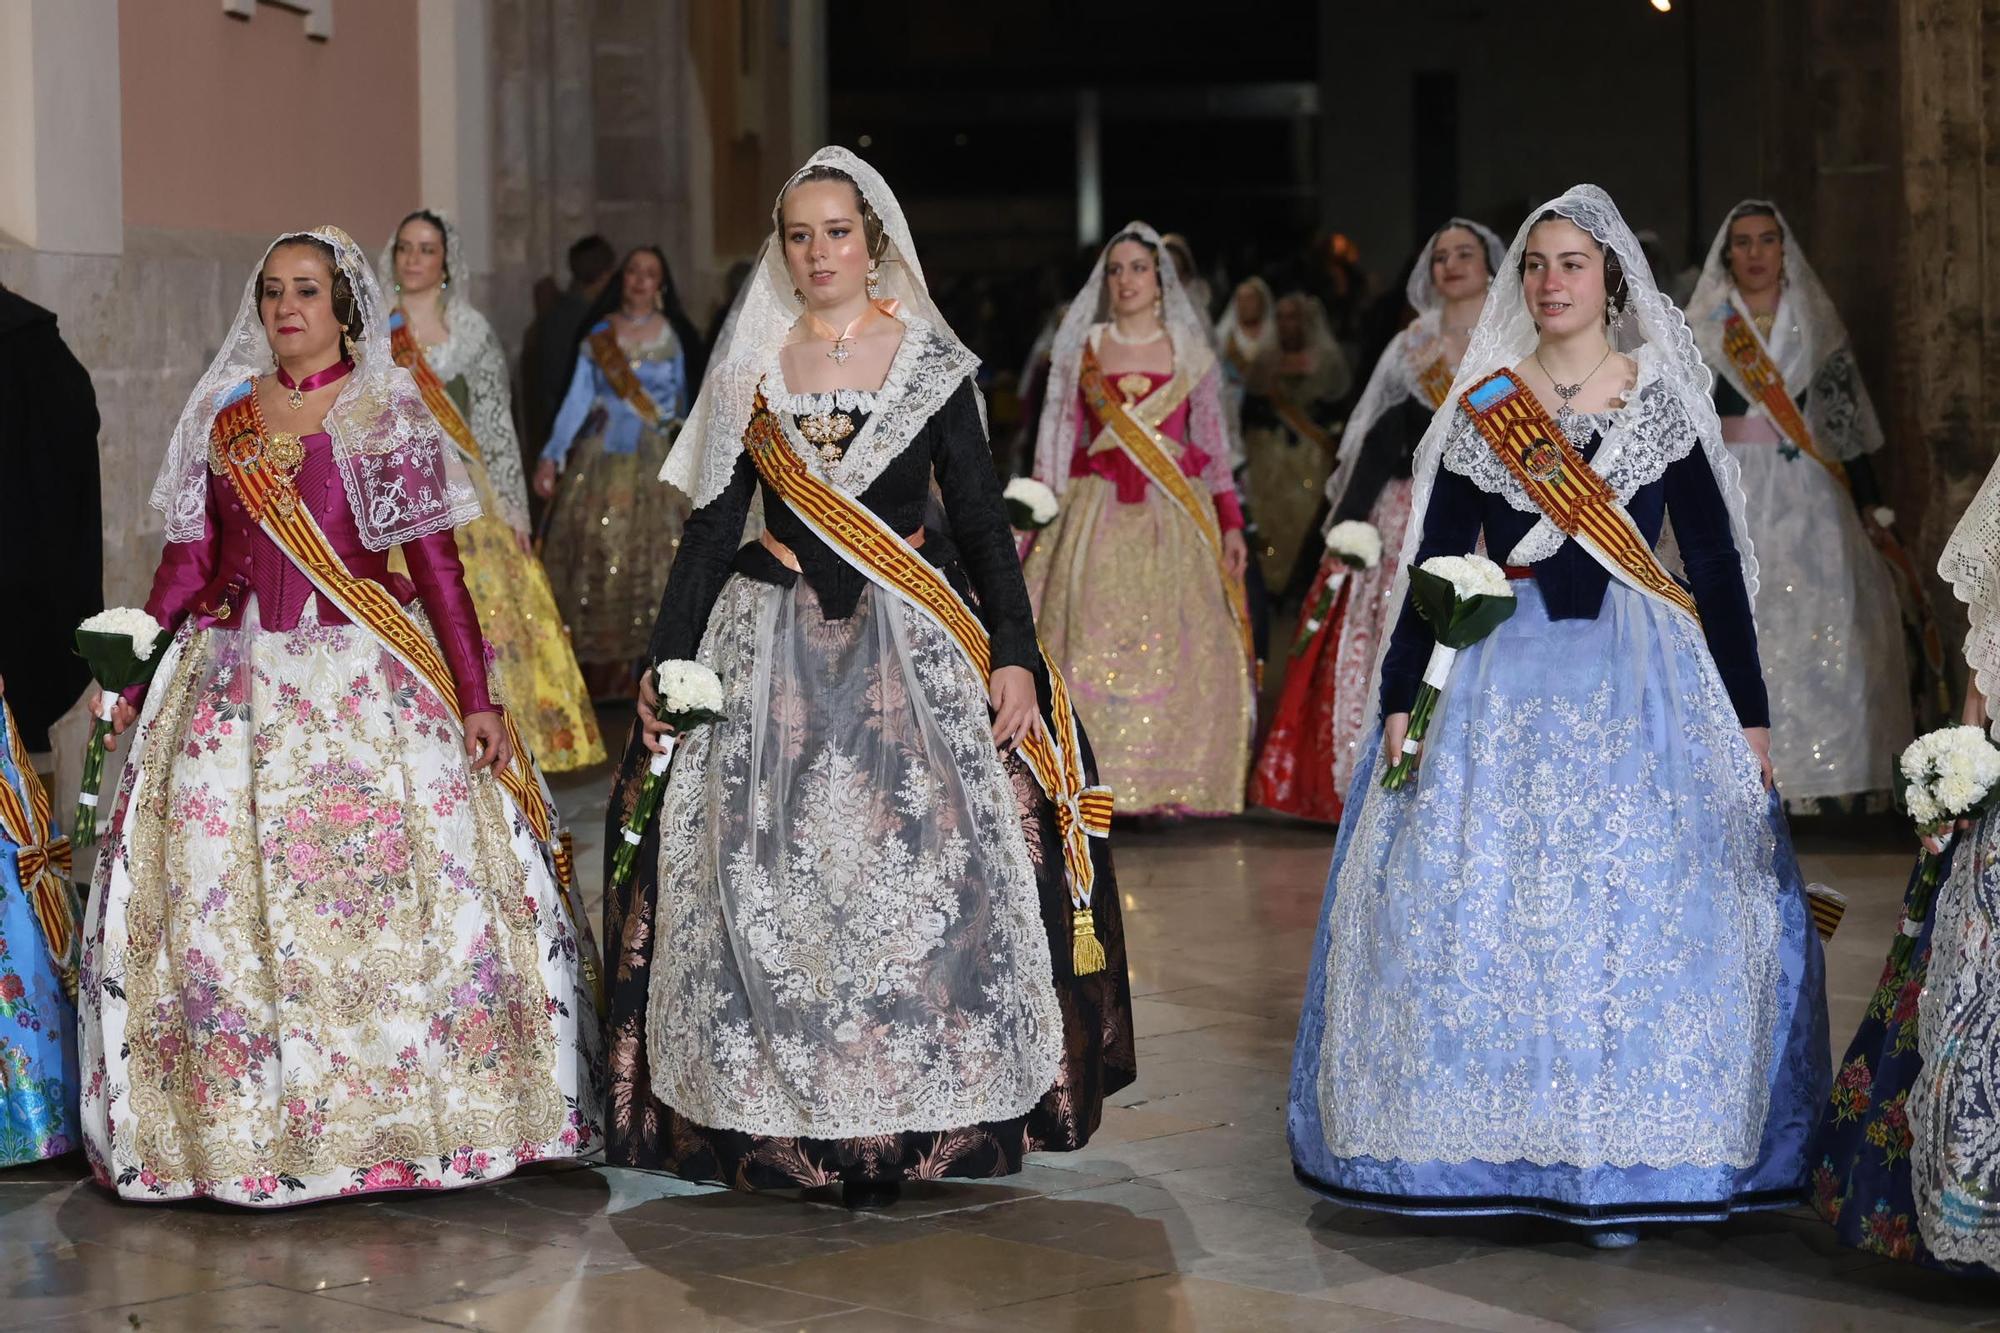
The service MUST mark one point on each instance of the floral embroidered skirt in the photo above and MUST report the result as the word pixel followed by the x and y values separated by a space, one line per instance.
pixel 613 528
pixel 1287 481
pixel 1569 971
pixel 321 958
pixel 847 954
pixel 1325 711
pixel 1908 1154
pixel 1132 608
pixel 38 1071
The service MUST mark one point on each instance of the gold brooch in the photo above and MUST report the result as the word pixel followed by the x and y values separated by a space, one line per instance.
pixel 826 431
pixel 1134 386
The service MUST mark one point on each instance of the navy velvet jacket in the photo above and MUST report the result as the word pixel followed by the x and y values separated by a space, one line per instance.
pixel 1572 583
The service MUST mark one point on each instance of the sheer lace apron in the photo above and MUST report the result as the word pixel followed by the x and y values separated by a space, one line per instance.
pixel 1955 1106
pixel 848 936
pixel 1829 630
pixel 319 958
pixel 1578 942
pixel 1130 606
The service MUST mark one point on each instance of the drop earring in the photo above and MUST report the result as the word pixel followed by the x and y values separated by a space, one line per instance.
pixel 874 278
pixel 348 339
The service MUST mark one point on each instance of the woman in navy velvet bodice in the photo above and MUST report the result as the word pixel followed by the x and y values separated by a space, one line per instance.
pixel 1569 971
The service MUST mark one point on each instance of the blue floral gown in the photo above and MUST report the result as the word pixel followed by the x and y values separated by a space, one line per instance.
pixel 38 1064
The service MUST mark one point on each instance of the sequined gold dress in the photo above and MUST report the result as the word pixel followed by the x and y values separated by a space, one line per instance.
pixel 533 666
pixel 614 526
pixel 1130 603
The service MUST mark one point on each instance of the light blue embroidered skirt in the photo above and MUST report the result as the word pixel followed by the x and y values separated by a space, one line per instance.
pixel 1569 972
pixel 38 1064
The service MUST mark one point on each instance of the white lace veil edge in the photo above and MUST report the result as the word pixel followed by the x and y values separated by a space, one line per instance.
pixel 1395 375
pixel 1651 329
pixel 1839 412
pixel 402 483
pixel 704 454
pixel 1970 565
pixel 1189 331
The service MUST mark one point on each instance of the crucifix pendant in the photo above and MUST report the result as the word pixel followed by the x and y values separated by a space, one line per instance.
pixel 839 353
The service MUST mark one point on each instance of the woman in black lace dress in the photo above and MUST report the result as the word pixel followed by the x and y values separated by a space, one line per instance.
pixel 848 955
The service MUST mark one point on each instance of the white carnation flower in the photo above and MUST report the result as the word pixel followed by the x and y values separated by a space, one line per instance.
pixel 1038 499
pixel 688 687
pixel 131 621
pixel 1355 542
pixel 1470 575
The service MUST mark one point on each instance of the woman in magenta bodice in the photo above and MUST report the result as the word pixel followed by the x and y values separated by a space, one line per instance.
pixel 327 950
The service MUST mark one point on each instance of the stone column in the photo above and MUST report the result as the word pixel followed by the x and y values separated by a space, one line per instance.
pixel 1947 308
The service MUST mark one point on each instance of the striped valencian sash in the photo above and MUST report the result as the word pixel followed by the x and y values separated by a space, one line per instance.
pixel 1295 420
pixel 237 446
pixel 617 369
pixel 1053 749
pixel 409 354
pixel 42 856
pixel 1767 389
pixel 1565 488
pixel 1143 445
pixel 1434 382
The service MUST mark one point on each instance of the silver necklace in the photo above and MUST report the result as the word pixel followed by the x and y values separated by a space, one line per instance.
pixel 1569 391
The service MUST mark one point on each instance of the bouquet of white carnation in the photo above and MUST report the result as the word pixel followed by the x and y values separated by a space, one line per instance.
pixel 689 695
pixel 1464 598
pixel 1031 506
pixel 1350 544
pixel 1953 773
pixel 1355 544
pixel 122 648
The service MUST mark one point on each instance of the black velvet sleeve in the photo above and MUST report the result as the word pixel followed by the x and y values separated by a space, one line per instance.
pixel 971 493
pixel 1385 454
pixel 1451 527
pixel 1715 572
pixel 708 548
pixel 1867 487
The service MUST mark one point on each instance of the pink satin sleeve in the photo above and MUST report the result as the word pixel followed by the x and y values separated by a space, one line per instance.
pixel 440 582
pixel 185 569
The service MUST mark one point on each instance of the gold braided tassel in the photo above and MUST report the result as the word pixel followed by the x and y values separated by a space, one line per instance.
pixel 1086 955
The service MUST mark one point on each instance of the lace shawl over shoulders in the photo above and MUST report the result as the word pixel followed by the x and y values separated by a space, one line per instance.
pixel 1641 441
pixel 926 370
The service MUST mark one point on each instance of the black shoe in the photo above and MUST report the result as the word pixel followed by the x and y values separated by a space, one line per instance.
pixel 867 1195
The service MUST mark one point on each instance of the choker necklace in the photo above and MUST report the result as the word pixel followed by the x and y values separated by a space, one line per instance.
pixel 1124 341
pixel 319 378
pixel 839 353
pixel 1569 391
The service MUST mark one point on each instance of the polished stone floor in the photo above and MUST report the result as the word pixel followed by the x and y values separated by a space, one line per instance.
pixel 1182 1215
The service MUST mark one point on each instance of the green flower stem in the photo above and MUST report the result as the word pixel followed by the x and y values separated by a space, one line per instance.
pixel 626 858
pixel 1405 766
pixel 1918 910
pixel 83 831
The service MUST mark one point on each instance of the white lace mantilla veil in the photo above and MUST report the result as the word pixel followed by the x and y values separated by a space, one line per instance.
pixel 1194 357
pixel 1669 403
pixel 401 480
pixel 1809 344
pixel 704 455
pixel 1227 329
pixel 1971 566
pixel 1407 355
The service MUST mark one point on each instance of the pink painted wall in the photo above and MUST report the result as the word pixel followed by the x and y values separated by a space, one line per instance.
pixel 249 127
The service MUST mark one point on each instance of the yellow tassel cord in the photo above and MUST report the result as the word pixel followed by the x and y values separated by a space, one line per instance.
pixel 1087 955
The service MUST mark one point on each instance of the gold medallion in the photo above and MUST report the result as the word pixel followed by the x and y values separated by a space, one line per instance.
pixel 1134 386
pixel 827 431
